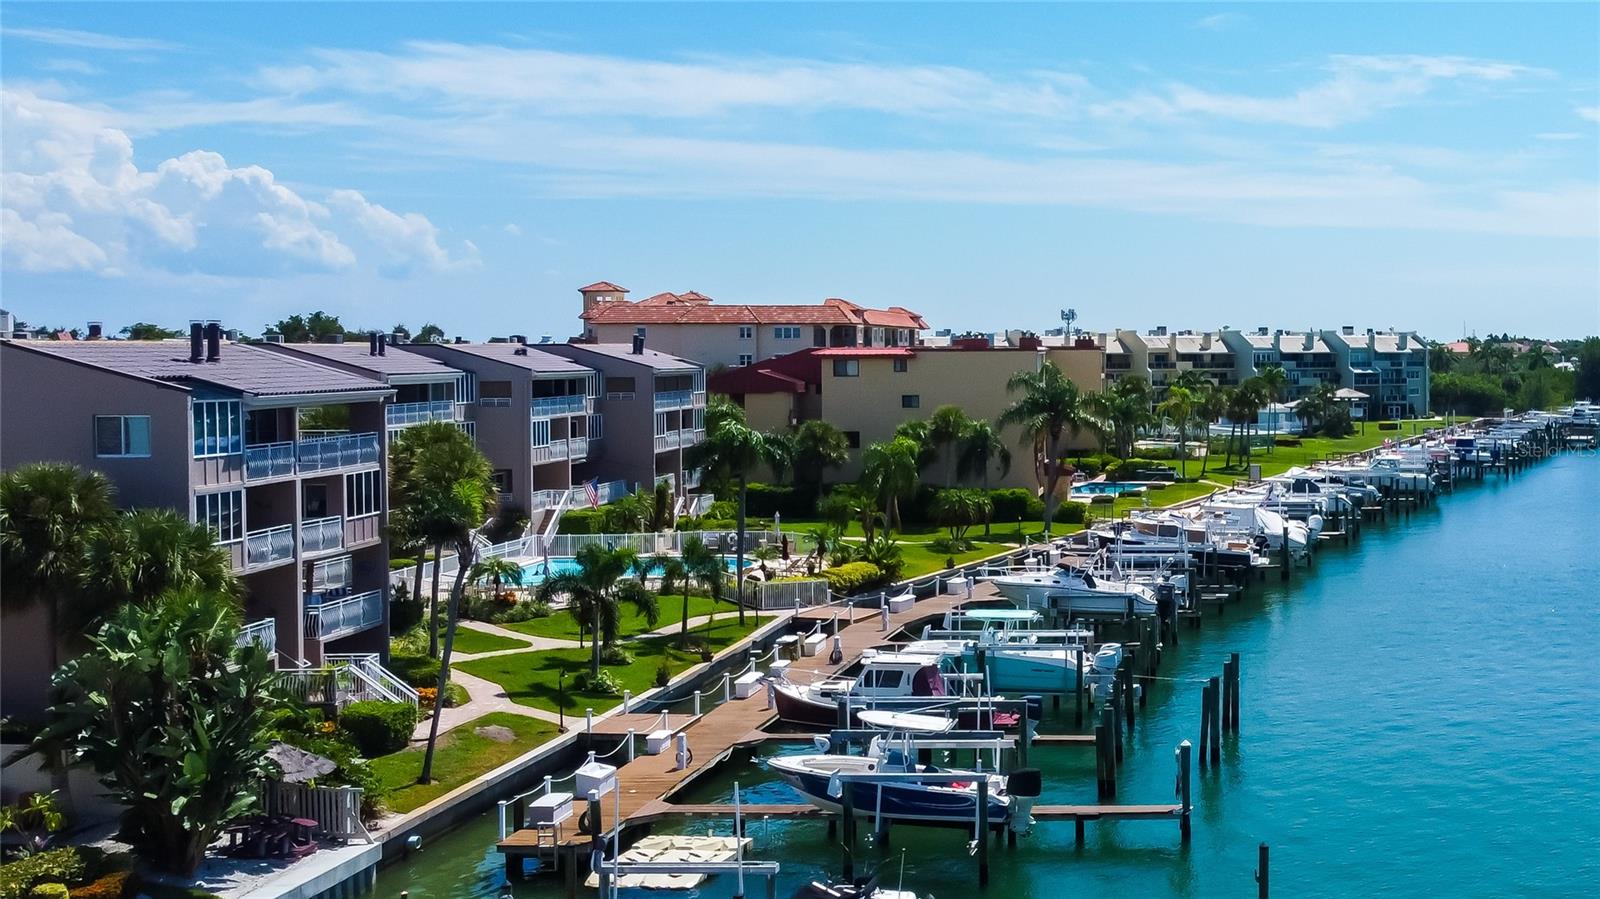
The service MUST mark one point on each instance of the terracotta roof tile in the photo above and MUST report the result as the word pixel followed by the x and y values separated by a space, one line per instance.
pixel 603 285
pixel 879 351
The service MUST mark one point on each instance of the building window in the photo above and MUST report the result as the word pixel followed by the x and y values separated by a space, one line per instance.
pixel 900 365
pixel 619 388
pixel 126 436
pixel 661 423
pixel 852 439
pixel 910 401
pixel 502 480
pixel 363 494
pixel 747 332
pixel 846 368
pixel 494 393
pixel 597 426
pixel 222 514
pixel 218 428
pixel 466 387
pixel 746 359
pixel 541 432
pixel 786 332
pixel 819 336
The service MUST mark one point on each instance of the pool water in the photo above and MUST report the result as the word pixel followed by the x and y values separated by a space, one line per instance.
pixel 533 573
pixel 1104 487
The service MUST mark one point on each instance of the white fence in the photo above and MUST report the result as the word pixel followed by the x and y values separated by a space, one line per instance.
pixel 337 810
pixel 342 617
pixel 786 594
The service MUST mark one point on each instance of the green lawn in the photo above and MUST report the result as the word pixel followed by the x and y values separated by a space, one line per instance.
pixel 471 641
pixel 462 755
pixel 920 560
pixel 563 626
pixel 530 678
pixel 1278 459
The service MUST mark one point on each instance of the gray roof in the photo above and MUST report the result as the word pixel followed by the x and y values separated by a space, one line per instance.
pixel 533 360
pixel 650 358
pixel 241 367
pixel 395 360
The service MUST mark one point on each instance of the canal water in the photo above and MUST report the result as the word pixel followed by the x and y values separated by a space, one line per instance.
pixel 1421 717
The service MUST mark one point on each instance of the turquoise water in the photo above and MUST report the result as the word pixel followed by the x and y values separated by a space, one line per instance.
pixel 1421 717
pixel 533 573
pixel 1102 487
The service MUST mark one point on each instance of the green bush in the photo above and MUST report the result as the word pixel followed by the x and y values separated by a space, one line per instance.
pixel 950 545
pixel 1388 425
pixel 605 684
pixel 614 654
pixel 663 675
pixel 399 562
pixel 763 500
pixel 1072 513
pixel 1287 441
pixel 508 524
pixel 416 670
pixel 1130 469
pixel 405 612
pixel 1089 467
pixel 1013 503
pixel 66 865
pixel 581 521
pixel 723 508
pixel 378 728
pixel 852 577
pixel 1102 499
pixel 50 891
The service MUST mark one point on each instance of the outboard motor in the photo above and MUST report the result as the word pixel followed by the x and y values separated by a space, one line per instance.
pixel 1024 785
pixel 1166 602
pixel 1106 661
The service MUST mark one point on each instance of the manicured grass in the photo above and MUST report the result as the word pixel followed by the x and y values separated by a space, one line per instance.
pixel 1279 459
pixel 920 560
pixel 563 626
pixel 462 754
pixel 530 678
pixel 472 641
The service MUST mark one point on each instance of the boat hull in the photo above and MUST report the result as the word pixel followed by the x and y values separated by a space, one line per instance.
pixel 897 801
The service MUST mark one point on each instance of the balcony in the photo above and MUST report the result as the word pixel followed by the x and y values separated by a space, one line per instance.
pixel 343 617
pixel 264 547
pixel 554 451
pixel 578 447
pixel 268 460
pixel 263 633
pixel 322 534
pixel 675 399
pixel 547 406
pixel 402 415
pixel 545 499
pixel 341 451
pixel 669 441
pixel 331 574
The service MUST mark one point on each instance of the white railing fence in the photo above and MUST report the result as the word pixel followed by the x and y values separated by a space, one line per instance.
pixel 327 453
pixel 269 460
pixel 342 617
pixel 367 667
pixel 263 632
pixel 269 545
pixel 337 810
pixel 398 415
pixel 319 534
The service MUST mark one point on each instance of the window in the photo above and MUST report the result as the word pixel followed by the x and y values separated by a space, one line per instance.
pixel 747 332
pixel 619 388
pixel 597 426
pixel 819 336
pixel 910 401
pixel 852 439
pixel 541 432
pixel 222 514
pixel 494 393
pixel 846 368
pixel 218 428
pixel 502 480
pixel 661 423
pixel 363 494
pixel 786 332
pixel 887 680
pixel 122 435
pixel 466 387
pixel 900 365
pixel 745 359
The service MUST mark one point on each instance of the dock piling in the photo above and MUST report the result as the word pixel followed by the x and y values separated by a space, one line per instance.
pixel 983 831
pixel 1261 871
pixel 1185 788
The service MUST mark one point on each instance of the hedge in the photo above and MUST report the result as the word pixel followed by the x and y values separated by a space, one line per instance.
pixel 378 728
pixel 765 500
pixel 580 521
pixel 1071 513
pixel 51 866
pixel 852 577
pixel 1014 503
pixel 50 891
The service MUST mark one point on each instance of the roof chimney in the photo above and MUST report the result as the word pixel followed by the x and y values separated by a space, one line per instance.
pixel 372 343
pixel 1310 340
pixel 96 329
pixel 520 351
pixel 1348 330
pixel 213 341
pixel 1205 341
pixel 383 345
pixel 197 342
pixel 461 340
pixel 638 344
pixel 1402 340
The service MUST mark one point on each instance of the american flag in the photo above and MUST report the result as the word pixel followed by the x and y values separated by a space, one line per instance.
pixel 591 488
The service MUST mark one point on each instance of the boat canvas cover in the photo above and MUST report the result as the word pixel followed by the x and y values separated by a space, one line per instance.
pixel 880 719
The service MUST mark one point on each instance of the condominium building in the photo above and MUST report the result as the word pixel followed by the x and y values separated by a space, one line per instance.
pixel 281 458
pixel 1390 367
pixel 653 407
pixel 425 389
pixel 869 391
pixel 693 326
pixel 1160 357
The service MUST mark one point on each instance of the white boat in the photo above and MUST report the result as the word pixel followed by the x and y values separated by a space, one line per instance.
pixel 1071 589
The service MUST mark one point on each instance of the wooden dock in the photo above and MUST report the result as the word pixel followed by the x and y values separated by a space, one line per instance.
pixel 662 809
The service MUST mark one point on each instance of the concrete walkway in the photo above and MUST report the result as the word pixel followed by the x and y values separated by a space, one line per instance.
pixel 486 697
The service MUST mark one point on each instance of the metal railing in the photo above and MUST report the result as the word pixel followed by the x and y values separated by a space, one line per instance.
pixel 546 499
pixel 698 399
pixel 328 453
pixel 673 440
pixel 578 447
pixel 673 399
pixel 269 460
pixel 264 633
pixel 319 534
pixel 342 617
pixel 269 545
pixel 399 415
pixel 330 574
pixel 546 406
pixel 554 451
pixel 367 664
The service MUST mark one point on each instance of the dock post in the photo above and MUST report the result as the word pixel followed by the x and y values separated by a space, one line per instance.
pixel 1111 716
pixel 630 744
pixel 1283 574
pixel 1102 789
pixel 1127 698
pixel 597 843
pixel 588 722
pixel 1205 723
pixel 1227 696
pixel 983 831
pixel 1261 871
pixel 847 831
pixel 1234 718
pixel 1216 700
pixel 1077 692
pixel 1185 785
pixel 1077 830
pixel 697 703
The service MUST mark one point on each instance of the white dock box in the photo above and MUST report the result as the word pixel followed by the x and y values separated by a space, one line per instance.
pixel 813 644
pixel 901 603
pixel 779 669
pixel 550 809
pixel 657 741
pixel 746 684
pixel 787 644
pixel 596 777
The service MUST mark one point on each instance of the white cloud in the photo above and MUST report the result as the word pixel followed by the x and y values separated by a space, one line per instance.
pixel 1222 21
pixel 1591 113
pixel 88 40
pixel 71 66
pixel 74 199
pixel 512 229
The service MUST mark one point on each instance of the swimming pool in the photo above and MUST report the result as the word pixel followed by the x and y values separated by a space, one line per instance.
pixel 1105 487
pixel 534 572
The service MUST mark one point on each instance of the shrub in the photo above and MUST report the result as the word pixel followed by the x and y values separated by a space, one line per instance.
pixel 114 885
pixel 1388 425
pixel 763 500
pixel 66 865
pixel 723 508
pixel 950 545
pixel 507 524
pixel 1072 513
pixel 1102 499
pixel 663 675
pixel 405 612
pixel 50 891
pixel 397 563
pixel 852 577
pixel 416 670
pixel 1089 467
pixel 1287 441
pixel 378 728
pixel 614 654
pixel 580 521
pixel 1013 503
pixel 605 683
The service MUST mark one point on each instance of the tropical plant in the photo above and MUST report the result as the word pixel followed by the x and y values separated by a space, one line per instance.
pixel 1050 410
pixel 1211 405
pixel 884 552
pixel 171 711
pixel 959 510
pixel 426 464
pixel 919 432
pixel 430 333
pixel 1179 408
pixel 731 451
pixel 947 427
pixel 1125 408
pixel 889 471
pixel 763 554
pixel 818 446
pixel 499 572
pixel 137 556
pixel 595 593
pixel 148 331
pixel 850 502
pixel 983 448
pixel 1274 382
pixel 704 567
pixel 47 512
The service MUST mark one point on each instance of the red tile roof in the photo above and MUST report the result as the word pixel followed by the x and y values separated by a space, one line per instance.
pixel 881 351
pixel 660 299
pixel 603 285
pixel 789 373
pixel 697 308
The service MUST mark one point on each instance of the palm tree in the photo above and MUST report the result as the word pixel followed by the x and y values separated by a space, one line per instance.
pixel 982 448
pixel 597 590
pixel 498 571
pixel 780 455
pixel 889 470
pixel 850 502
pixel 702 566
pixel 1274 381
pixel 1210 406
pixel 424 462
pixel 47 512
pixel 920 432
pixel 731 451
pixel 1050 410
pixel 818 446
pixel 1179 408
pixel 1126 408
pixel 142 554
pixel 947 427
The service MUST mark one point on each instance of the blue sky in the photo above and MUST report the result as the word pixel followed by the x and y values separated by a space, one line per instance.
pixel 1428 166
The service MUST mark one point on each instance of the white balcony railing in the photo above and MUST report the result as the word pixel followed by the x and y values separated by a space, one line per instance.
pixel 674 399
pixel 400 415
pixel 546 406
pixel 322 534
pixel 342 451
pixel 578 447
pixel 554 451
pixel 342 617
pixel 331 574
pixel 269 545
pixel 545 499
pixel 668 441
pixel 269 460
pixel 699 400
pixel 263 632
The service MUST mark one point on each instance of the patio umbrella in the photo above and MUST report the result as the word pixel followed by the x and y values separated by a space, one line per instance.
pixel 297 765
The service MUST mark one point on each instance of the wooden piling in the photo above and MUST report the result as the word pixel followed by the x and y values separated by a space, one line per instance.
pixel 983 831
pixel 1261 871
pixel 847 831
pixel 1205 725
pixel 1185 787
pixel 1233 694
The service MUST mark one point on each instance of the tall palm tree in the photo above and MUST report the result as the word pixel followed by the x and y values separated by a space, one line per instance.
pixel 47 512
pixel 1126 408
pixel 1179 408
pixel 1274 381
pixel 704 567
pixel 982 448
pixel 920 432
pixel 596 590
pixel 731 451
pixel 889 470
pixel 142 554
pixel 947 427
pixel 423 462
pixel 818 446
pixel 1211 406
pixel 1050 410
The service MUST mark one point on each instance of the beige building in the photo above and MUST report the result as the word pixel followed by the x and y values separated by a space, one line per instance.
pixel 693 326
pixel 867 392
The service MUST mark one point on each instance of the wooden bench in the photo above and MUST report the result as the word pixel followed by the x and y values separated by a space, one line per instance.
pixel 746 684
pixel 813 644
